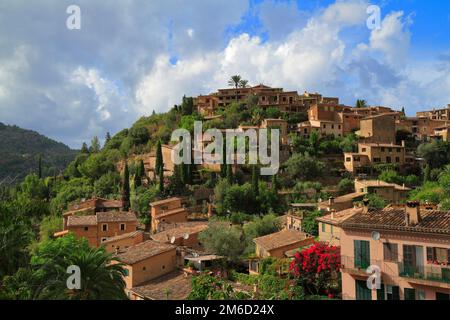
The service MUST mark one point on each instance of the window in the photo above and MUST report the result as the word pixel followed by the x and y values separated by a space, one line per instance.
pixel 390 251
pixel 323 227
pixel 397 159
pixel 363 149
pixel 390 149
pixel 122 227
pixel 398 150
pixel 392 292
pixel 339 127
pixel 163 267
pixel 362 253
pixel 438 255
pixel 388 159
pixel 362 291
pixel 324 126
pixel 103 239
pixel 144 268
pixel 104 227
pixel 332 126
pixel 348 159
pixel 442 296
pixel 86 228
pixel 376 159
pixel 410 294
pixel 421 295
pixel 331 229
pixel 382 149
pixel 127 273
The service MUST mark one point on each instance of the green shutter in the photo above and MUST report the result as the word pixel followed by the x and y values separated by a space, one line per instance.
pixel 395 293
pixel 410 294
pixel 362 292
pixel 362 254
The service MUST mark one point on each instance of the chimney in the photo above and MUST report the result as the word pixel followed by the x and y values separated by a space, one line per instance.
pixel 331 201
pixel 332 214
pixel 412 211
pixel 365 205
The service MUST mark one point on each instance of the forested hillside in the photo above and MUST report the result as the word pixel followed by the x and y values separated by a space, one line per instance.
pixel 20 150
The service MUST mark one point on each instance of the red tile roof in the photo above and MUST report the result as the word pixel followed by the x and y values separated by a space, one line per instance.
pixel 281 239
pixel 142 251
pixel 432 221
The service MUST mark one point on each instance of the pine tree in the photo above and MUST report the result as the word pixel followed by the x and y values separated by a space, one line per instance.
pixel 95 145
pixel 126 188
pixel 84 148
pixel 40 167
pixel 255 181
pixel 107 138
pixel 229 174
pixel 159 158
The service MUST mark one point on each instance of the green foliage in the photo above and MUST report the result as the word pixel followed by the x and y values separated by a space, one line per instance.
pixel 95 145
pixel 47 276
pixel 68 191
pixel 391 176
pixel 15 236
pixel 207 287
pixel 304 166
pixel 126 188
pixel 435 153
pixel 223 239
pixel 260 226
pixel 108 185
pixel 159 165
pixel 48 226
pixel 96 166
pixel 309 223
pixel 346 185
pixel 375 201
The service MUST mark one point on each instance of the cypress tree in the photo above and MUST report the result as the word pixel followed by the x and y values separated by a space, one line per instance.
pixel 40 167
pixel 274 184
pixel 84 148
pixel 138 177
pixel 229 174
pixel 142 169
pixel 159 158
pixel 161 181
pixel 126 188
pixel 223 166
pixel 255 181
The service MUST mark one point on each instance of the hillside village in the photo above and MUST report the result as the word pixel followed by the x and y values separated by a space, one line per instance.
pixel 358 186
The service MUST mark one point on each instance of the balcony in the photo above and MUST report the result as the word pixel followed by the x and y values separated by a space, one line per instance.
pixel 358 267
pixel 435 273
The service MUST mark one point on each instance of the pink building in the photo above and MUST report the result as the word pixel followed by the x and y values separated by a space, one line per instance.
pixel 410 245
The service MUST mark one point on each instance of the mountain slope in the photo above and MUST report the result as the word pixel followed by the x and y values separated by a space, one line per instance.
pixel 20 150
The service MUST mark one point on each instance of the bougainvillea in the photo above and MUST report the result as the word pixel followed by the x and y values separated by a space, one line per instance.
pixel 317 269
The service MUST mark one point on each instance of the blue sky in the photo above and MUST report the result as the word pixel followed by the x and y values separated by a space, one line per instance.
pixel 132 57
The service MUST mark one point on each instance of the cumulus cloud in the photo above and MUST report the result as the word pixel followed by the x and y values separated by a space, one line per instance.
pixel 130 59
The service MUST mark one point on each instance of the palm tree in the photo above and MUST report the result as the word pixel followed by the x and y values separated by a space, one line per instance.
pixel 235 82
pixel 243 83
pixel 101 275
pixel 360 103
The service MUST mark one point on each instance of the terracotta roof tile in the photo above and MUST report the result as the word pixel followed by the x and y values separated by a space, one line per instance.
pixel 176 283
pixel 112 216
pixel 161 202
pixel 78 221
pixel 281 239
pixel 142 251
pixel 180 230
pixel 433 221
